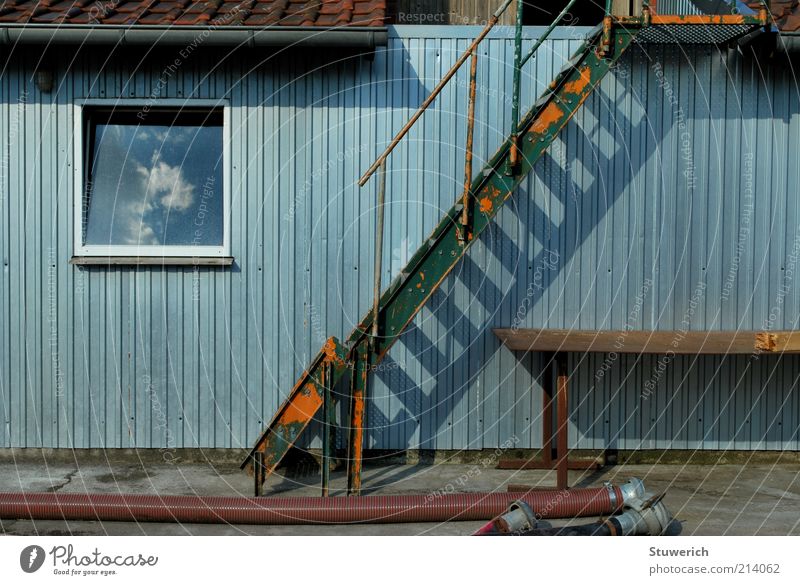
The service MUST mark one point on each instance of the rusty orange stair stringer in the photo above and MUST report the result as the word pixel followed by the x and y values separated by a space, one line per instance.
pixel 299 408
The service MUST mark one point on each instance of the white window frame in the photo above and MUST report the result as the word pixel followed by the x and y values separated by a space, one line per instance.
pixel 136 251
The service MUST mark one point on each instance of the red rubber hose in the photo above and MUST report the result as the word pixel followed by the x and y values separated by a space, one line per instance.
pixel 304 510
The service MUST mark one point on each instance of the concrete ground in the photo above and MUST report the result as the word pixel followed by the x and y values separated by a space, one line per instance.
pixel 705 500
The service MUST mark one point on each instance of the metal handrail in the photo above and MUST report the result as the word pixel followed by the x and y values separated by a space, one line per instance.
pixel 471 52
pixel 520 62
pixel 437 90
pixel 547 33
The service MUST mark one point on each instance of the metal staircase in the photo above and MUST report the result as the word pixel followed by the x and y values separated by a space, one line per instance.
pixel 481 200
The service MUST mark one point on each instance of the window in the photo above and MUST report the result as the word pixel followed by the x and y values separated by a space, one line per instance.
pixel 152 180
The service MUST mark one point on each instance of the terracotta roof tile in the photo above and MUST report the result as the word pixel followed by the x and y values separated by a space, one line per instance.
pixel 310 13
pixel 260 20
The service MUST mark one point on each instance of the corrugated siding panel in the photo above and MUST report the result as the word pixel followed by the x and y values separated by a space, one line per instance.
pixel 608 233
pixel 689 7
pixel 677 7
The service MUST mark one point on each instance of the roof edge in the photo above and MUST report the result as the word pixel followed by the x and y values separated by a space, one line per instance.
pixel 193 36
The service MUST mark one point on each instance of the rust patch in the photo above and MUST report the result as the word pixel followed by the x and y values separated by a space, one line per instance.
pixel 486 205
pixel 329 351
pixel 357 434
pixel 577 86
pixel 301 408
pixel 698 19
pixel 547 118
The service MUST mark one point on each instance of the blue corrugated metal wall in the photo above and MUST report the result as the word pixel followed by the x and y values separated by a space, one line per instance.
pixel 677 7
pixel 667 203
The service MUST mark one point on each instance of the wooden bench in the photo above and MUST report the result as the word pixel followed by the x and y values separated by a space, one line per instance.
pixel 557 342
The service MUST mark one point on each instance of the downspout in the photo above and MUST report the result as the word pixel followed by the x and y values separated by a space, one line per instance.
pixel 227 36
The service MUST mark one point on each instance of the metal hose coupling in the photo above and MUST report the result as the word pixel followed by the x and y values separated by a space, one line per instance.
pixel 644 516
pixel 632 489
pixel 519 518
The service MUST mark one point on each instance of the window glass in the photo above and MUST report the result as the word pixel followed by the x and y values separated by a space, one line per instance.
pixel 155 181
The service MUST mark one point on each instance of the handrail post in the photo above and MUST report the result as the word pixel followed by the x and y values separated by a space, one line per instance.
pixel 766 15
pixel 604 49
pixel 513 159
pixel 327 428
pixel 463 234
pixel 376 302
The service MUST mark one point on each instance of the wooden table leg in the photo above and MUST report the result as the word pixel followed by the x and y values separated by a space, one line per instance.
pixel 547 410
pixel 562 406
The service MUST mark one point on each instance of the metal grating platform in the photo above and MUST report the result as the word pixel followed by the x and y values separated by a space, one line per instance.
pixel 692 34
